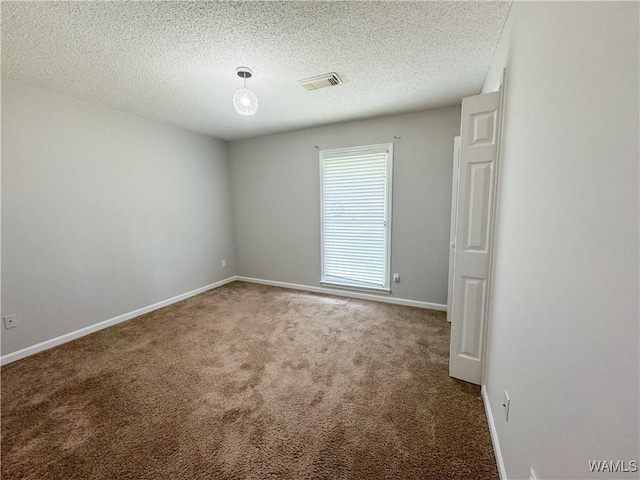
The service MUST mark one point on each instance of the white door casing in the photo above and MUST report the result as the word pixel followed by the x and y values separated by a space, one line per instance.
pixel 479 141
pixel 454 218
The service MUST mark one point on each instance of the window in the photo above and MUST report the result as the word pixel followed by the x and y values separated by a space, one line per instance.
pixel 355 191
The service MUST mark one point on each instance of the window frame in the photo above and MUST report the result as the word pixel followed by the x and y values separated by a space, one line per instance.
pixel 325 154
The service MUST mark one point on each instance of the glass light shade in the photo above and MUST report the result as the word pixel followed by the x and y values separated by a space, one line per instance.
pixel 245 102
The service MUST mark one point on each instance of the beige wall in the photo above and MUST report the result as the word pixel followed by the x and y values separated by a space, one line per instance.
pixel 276 200
pixel 563 336
pixel 103 213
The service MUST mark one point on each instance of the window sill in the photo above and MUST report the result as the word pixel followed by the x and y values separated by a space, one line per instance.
pixel 357 288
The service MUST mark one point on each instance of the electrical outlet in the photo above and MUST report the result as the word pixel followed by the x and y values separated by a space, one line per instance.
pixel 396 278
pixel 532 474
pixel 10 321
pixel 224 264
pixel 505 405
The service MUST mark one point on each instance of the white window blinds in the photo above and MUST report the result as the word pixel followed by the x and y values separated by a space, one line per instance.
pixel 356 197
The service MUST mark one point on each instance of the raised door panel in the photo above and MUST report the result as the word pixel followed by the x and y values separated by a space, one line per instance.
pixel 473 299
pixel 479 188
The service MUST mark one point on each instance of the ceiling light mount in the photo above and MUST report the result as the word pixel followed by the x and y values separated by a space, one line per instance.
pixel 245 101
pixel 244 72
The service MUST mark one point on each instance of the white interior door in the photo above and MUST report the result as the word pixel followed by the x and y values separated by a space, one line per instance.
pixel 454 218
pixel 479 139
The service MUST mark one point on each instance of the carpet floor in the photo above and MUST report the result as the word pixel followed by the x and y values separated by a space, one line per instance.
pixel 249 382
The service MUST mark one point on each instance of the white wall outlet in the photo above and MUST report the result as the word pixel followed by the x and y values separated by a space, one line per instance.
pixel 396 278
pixel 224 264
pixel 505 406
pixel 532 474
pixel 10 321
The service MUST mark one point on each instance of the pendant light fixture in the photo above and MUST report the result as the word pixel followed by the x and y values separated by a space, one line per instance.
pixel 244 100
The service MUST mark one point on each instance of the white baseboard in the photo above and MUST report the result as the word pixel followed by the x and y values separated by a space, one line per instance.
pixel 347 293
pixel 54 342
pixel 494 434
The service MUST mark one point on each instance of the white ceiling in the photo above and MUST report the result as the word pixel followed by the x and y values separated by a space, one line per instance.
pixel 175 61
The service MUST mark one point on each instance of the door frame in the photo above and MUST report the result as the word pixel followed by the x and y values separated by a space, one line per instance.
pixel 473 368
pixel 455 186
pixel 491 274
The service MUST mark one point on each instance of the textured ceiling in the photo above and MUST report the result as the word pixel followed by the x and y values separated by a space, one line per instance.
pixel 175 61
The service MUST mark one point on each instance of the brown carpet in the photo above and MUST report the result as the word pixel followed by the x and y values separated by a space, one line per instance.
pixel 249 382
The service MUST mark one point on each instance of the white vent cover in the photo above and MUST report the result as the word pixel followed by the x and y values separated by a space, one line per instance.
pixel 327 80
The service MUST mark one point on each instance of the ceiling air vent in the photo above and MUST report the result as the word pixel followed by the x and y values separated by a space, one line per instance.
pixel 321 81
